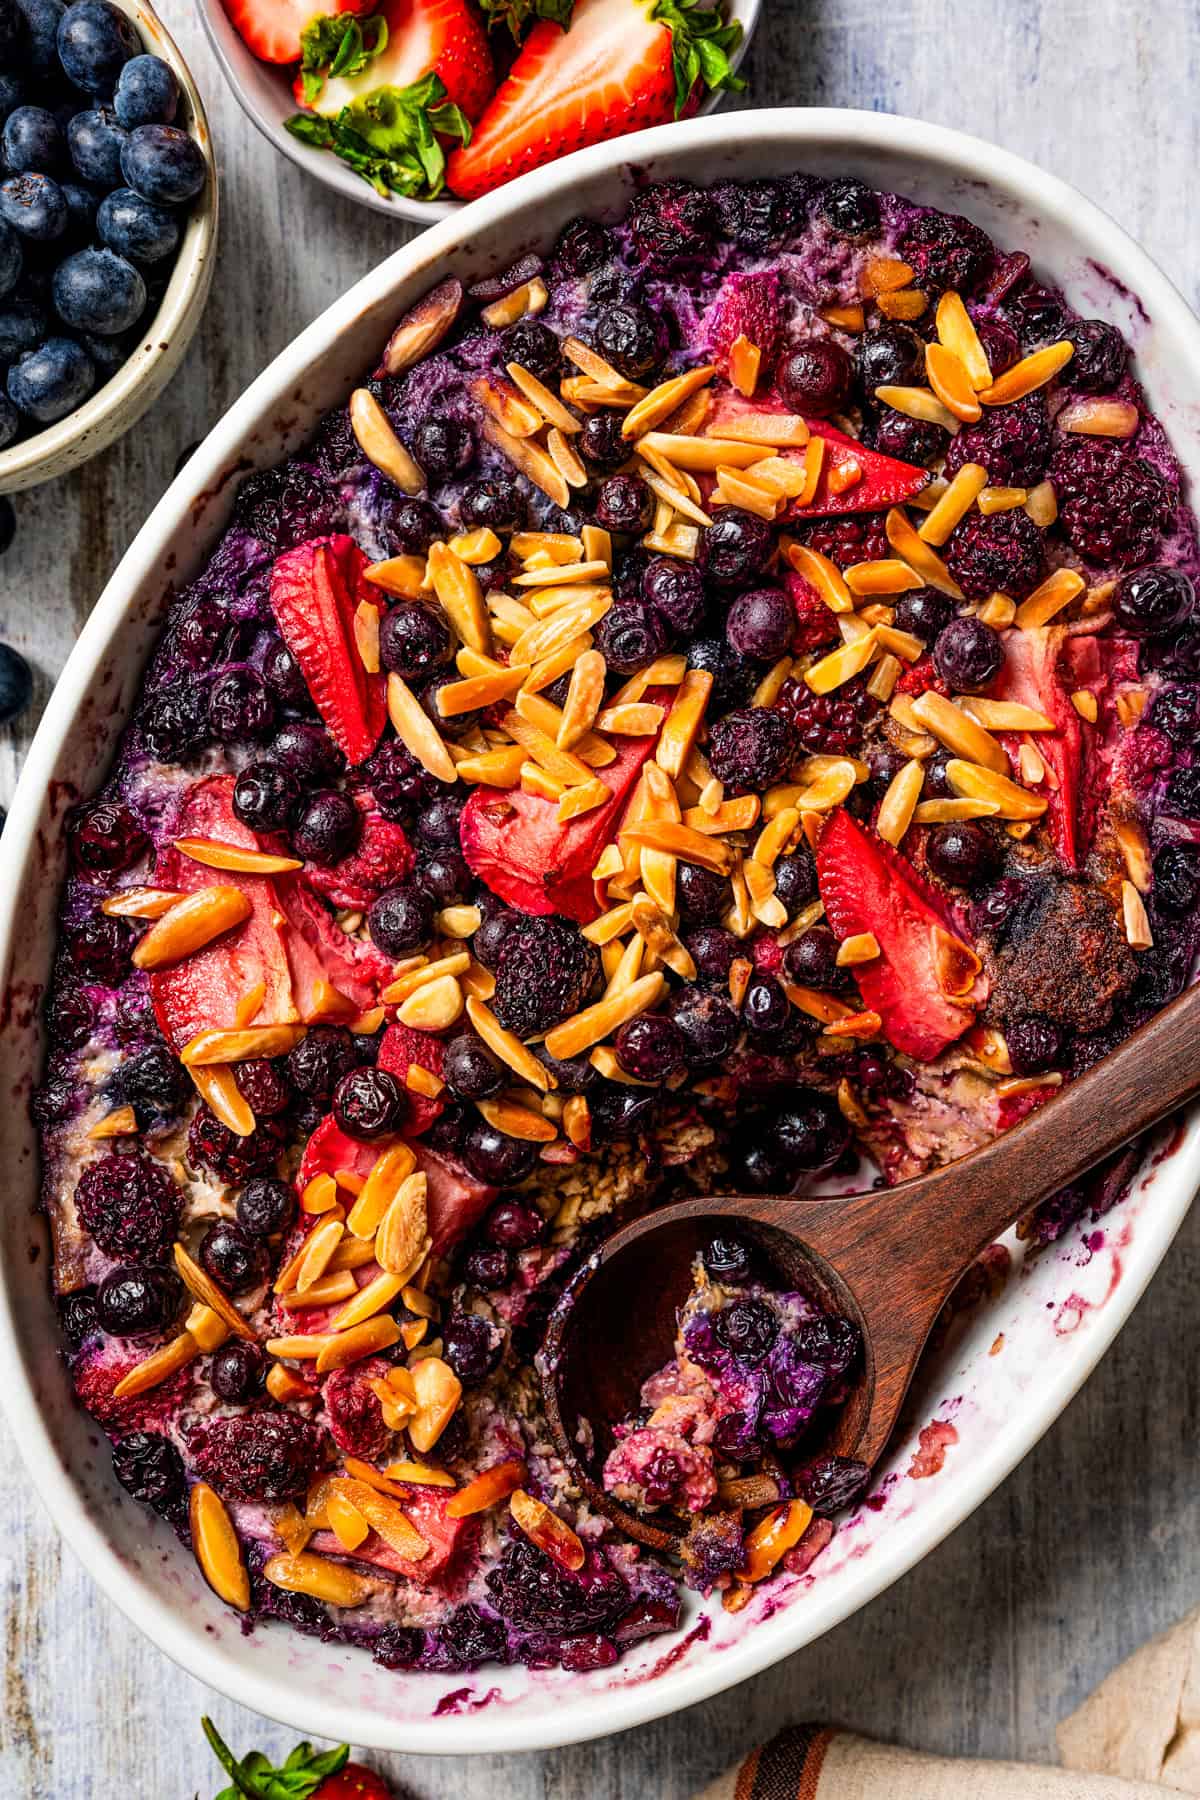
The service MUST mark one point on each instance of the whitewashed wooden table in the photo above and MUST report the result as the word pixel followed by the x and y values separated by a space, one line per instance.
pixel 1090 1545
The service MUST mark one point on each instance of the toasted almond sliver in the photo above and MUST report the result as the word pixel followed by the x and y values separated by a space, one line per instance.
pixel 487 1489
pixel 140 903
pixel 760 886
pixel 457 587
pixel 821 573
pixel 320 1195
pixel 201 1287
pixel 956 330
pixel 675 497
pixel 545 636
pixel 884 677
pixel 899 802
pixel 193 921
pixel 423 326
pixel 599 1021
pixel 652 924
pixel 359 1341
pixel 943 812
pixel 366 635
pixel 682 841
pixel 862 947
pixel 662 400
pixel 563 575
pixel 974 782
pixel 958 731
pixel 1099 418
pixel 217 1549
pixel 957 501
pixel 455 962
pixel 683 723
pixel 951 382
pixel 479 690
pixel 585 694
pixel 505 407
pixel 158 1367
pixel 842 665
pixel 120 1122
pixel 593 366
pixel 1005 715
pixel 368 1300
pixel 333 1286
pixel 219 1090
pixel 508 1047
pixel 1001 499
pixel 545 1529
pixel 493 768
pixel 917 403
pixel 887 576
pixel 216 855
pixel 548 404
pixel 379 443
pixel 1086 705
pixel 637 720
pixel 252 1041
pixel 317 1576
pixel 403 576
pixel 530 461
pixel 434 1007
pixel 1138 934
pixel 738 814
pixel 998 610
pixel 1058 590
pixel 1031 372
pixel 904 644
pixel 835 784
pixel 389 1171
pixel 517 1121
pixel 1136 853
pixel 699 455
pixel 918 554
pixel 579 800
pixel 417 732
pixel 523 302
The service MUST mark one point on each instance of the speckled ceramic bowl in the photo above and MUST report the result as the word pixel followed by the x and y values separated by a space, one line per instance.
pixel 1009 1365
pixel 121 401
pixel 264 93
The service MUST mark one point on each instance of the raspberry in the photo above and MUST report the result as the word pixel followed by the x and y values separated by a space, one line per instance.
pixel 945 251
pixel 752 748
pixel 829 724
pixel 815 624
pixel 920 677
pixel 747 306
pixel 1001 552
pixel 530 1591
pixel 99 1370
pixel 212 1145
pixel 545 971
pixel 858 537
pixel 267 1455
pixel 130 1205
pixel 670 221
pixel 1012 443
pixel 1114 506
pixel 353 1413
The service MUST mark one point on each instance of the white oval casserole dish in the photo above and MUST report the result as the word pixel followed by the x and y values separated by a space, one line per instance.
pixel 1008 1368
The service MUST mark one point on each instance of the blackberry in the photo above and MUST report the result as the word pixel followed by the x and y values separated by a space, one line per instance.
pixel 583 245
pixel 317 1063
pixel 269 1455
pixel 630 635
pixel 153 1082
pixel 1114 506
pixel 468 1637
pixel 753 748
pixel 1012 443
pixel 99 948
pixel 546 970
pixel 828 724
pixel 212 1145
pixel 916 441
pixel 398 1647
pixel 104 837
pixel 945 251
pixel 70 1017
pixel 130 1205
pixel 856 537
pixel 736 547
pixel 1176 879
pixel 1100 358
pixel 264 1087
pixel 758 215
pixel 397 781
pixel 1039 315
pixel 535 347
pixel 471 1346
pixel 671 221
pixel 529 1590
pixel 284 507
pixel 150 1469
pixel 600 442
pixel 998 551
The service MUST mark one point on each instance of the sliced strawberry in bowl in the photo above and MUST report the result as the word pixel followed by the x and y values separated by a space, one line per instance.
pixel 454 1200
pixel 315 591
pixel 925 983
pixel 334 977
pixel 382 857
pixel 852 479
pixel 1030 676
pixel 401 1048
pixel 425 1508
pixel 750 306
pixel 273 29
pixel 515 843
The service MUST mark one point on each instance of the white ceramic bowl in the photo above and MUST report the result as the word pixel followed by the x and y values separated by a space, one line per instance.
pixel 121 401
pixel 264 93
pixel 1046 1327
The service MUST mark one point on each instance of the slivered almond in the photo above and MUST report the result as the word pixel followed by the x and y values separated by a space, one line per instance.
pixel 588 393
pixel 1001 499
pixel 637 720
pixel 545 1529
pixel 525 301
pixel 252 1041
pixel 904 644
pixel 120 1122
pixel 385 1515
pixel 884 676
pixel 675 497
pixel 773 1536
pixel 423 326
pixel 317 1576
pixel 841 665
pixel 958 731
pixel 487 1489
pixel 998 610
pixel 422 1475
pixel 346 1522
pixel 1138 934
pixel 403 576
pixel 968 483
pixel 662 400
pixel 544 636
pixel 379 443
pixel 401 1241
pixel 680 840
pixel 956 330
pixel 389 1171
pixel 548 404
pixel 1049 597
pixel 517 1121
pixel 593 365
pixel 201 1287
pixel 846 318
pixel 775 835
pixel 298 1347
pixel 652 924
pixel 974 782
pixel 438 1394
pixel 493 768
pixel 745 361
pixel 368 1300
pixel 319 1247
pixel 738 814
pixel 777 430
pixel 906 304
pixel 918 554
pixel 435 1006
pixel 814 460
pixel 887 576
pixel 216 855
pixel 1136 853
pixel 505 407
pixel 579 800
pixel 479 546
pixel 563 765
pixel 457 587
pixel 326 1002
pixel 423 1081
pixel 1099 418
pixel 357 1342
pixel 683 723
pixel 217 1549
pixel 584 696
pixel 508 1047
pixel 760 886
pixel 612 924
pixel 599 1021
pixel 772 683
pixel 529 460
pixel 1042 504
pixel 917 403
pixel 1005 715
pixel 862 947
pixel 219 1090
pixel 158 1367
pixel 140 903
pixel 884 274
pixel 479 690
pixel 1030 373
pixel 943 812
pixel 417 732
pixel 366 635
pixel 899 802
pixel 1086 705
pixel 834 784
pixel 333 1286
pixel 733 489
pixel 207 1327
pixel 700 455
pixel 951 382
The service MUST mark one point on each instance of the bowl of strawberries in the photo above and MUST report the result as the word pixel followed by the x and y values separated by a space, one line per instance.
pixel 412 106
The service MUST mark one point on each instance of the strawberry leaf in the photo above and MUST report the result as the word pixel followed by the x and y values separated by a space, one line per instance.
pixel 338 44
pixel 390 136
pixel 700 45
pixel 254 1778
pixel 518 15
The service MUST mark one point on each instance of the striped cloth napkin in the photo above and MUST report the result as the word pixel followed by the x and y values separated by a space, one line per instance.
pixel 1136 1738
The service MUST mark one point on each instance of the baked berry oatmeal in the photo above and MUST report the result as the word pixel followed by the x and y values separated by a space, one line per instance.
pixel 717 710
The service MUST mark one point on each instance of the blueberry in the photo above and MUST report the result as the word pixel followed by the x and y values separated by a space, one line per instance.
pixel 16 683
pixel 816 378
pixel 265 1206
pixel 327 827
pixel 735 548
pixel 95 41
pixel 235 1259
pixel 795 879
pixel 968 655
pixel 52 381
pixel 675 590
pixel 497 503
pixel 12 30
pixel 42 19
pixel 963 853
pixel 624 503
pixel 96 290
pixel 443 448
pixel 411 525
pixel 133 1300
pixel 514 1224
pixel 727 1260
pixel 401 920
pixel 413 639
pixel 628 337
pixel 237 1372
pixel 812 960
pixel 708 1023
pixel 535 347
pixel 582 246
pixel 1035 1044
pixel 12 90
pixel 11 258
pixel 747 1329
pixel 163 164
pixel 264 796
pixel 766 1009
pixel 850 208
pixel 712 949
pixel 761 624
pixel 924 612
pixel 703 895
pixel 1099 360
pixel 1150 602
pixel 81 211
pixel 810 1133
pixel 601 443
pixel 147 93
pixel 630 635
pixel 369 1103
pixel 10 424
pixel 96 141
pixel 492 1156
pixel 34 206
pixel 472 1347
pixel 471 1071
pixel 32 142
pixel 1176 879
pixel 650 1047
pixel 23 325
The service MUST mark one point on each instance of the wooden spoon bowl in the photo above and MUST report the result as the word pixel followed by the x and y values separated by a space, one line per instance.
pixel 887 1259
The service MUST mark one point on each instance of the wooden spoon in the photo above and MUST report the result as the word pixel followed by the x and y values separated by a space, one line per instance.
pixel 888 1259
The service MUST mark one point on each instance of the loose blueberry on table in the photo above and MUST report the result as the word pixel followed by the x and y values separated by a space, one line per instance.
pixel 597 768
pixel 95 180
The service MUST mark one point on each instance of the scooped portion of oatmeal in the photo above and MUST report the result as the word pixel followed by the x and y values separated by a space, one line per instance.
pixel 716 708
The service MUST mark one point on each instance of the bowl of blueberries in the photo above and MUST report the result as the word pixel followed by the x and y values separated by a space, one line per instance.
pixel 108 220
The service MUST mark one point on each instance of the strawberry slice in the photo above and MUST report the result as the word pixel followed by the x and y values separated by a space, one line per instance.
pixel 454 1200
pixel 401 1047
pixel 383 857
pixel 623 65
pixel 885 481
pixel 206 989
pixel 1030 676
pixel 419 37
pixel 315 590
pixel 426 1508
pixel 749 306
pixel 513 840
pixel 272 29
pixel 925 982
pixel 334 977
